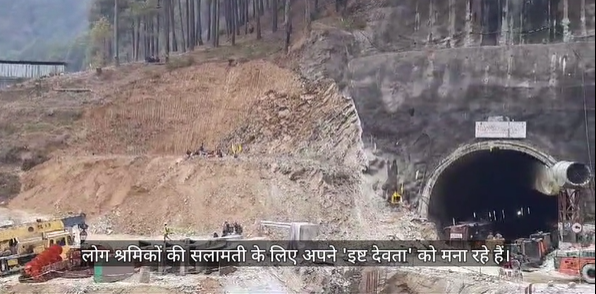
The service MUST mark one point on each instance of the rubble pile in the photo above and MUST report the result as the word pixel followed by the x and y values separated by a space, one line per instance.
pixel 319 122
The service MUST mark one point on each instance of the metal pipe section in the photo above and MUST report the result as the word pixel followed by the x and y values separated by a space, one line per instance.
pixel 562 175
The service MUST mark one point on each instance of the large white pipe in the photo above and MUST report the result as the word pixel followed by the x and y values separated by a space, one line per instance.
pixel 563 174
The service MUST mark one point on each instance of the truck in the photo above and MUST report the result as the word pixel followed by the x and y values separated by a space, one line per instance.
pixel 576 262
pixel 21 243
pixel 472 234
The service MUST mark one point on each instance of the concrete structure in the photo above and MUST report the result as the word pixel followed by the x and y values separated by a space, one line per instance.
pixel 14 71
pixel 296 230
pixel 110 273
pixel 422 83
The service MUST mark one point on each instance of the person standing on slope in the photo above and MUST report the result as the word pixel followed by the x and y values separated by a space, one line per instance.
pixel 166 232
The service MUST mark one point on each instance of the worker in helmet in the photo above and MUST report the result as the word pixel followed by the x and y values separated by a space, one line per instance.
pixel 396 197
pixel 226 229
pixel 202 149
pixel 490 236
pixel 166 232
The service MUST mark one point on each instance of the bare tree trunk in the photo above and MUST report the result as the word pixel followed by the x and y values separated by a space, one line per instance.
pixel 234 21
pixel 152 37
pixel 215 23
pixel 261 7
pixel 227 18
pixel 144 35
pixel 258 16
pixel 209 19
pixel 307 15
pixel 133 39
pixel 190 24
pixel 288 25
pixel 182 34
pixel 149 36
pixel 245 13
pixel 116 34
pixel 172 21
pixel 254 8
pixel 274 8
pixel 166 29
pixel 237 16
pixel 158 28
pixel 138 39
pixel 199 25
pixel 150 42
pixel 239 13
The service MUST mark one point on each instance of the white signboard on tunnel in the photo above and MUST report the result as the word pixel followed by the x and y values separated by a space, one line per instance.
pixel 517 129
pixel 501 129
pixel 456 236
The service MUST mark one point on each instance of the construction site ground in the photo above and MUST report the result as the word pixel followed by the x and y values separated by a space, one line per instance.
pixel 114 147
pixel 284 280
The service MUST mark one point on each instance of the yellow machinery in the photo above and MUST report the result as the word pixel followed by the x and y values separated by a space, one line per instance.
pixel 396 197
pixel 21 243
pixel 9 235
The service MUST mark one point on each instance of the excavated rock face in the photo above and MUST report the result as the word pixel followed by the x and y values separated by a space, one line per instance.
pixel 422 72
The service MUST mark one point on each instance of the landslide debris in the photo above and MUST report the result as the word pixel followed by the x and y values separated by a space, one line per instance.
pixel 317 122
pixel 298 163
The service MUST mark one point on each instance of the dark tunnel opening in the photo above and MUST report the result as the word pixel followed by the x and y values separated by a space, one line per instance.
pixel 496 187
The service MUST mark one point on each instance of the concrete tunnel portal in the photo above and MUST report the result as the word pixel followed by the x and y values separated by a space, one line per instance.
pixel 501 182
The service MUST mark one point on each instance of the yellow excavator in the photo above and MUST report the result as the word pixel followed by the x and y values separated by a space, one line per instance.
pixel 21 243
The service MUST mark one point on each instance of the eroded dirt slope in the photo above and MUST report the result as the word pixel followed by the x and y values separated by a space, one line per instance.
pixel 318 123
pixel 181 109
pixel 299 160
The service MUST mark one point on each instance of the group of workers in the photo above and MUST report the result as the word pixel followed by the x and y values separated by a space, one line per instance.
pixel 229 229
pixel 496 236
pixel 234 151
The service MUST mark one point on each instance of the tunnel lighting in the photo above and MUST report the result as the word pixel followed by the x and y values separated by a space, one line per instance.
pixel 474 215
pixel 528 210
pixel 519 213
pixel 502 214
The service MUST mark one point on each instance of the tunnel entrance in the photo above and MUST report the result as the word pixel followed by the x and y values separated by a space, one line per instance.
pixel 494 185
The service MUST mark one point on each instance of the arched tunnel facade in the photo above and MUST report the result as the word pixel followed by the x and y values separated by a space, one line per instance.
pixel 499 182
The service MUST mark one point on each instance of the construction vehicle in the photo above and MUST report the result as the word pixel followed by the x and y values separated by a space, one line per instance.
pixel 533 249
pixel 55 261
pixel 29 248
pixel 19 244
pixel 9 233
pixel 473 234
pixel 577 262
